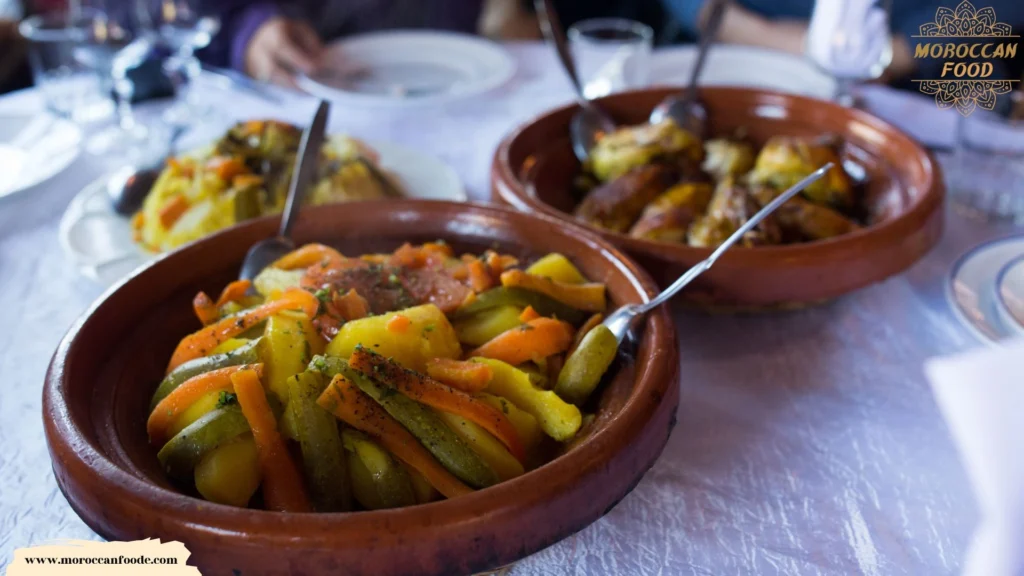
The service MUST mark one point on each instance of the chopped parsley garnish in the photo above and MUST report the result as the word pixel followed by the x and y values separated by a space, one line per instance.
pixel 226 399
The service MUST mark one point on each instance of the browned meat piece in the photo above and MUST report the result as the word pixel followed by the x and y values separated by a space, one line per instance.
pixel 668 218
pixel 617 204
pixel 731 205
pixel 805 219
pixel 785 160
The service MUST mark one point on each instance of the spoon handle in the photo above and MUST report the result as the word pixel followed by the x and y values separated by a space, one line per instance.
pixel 552 29
pixel 703 265
pixel 306 161
pixel 707 38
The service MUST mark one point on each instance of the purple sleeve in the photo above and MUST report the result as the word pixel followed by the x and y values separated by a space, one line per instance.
pixel 239 21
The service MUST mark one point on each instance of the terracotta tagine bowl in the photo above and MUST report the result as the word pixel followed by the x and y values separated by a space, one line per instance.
pixel 533 170
pixel 97 391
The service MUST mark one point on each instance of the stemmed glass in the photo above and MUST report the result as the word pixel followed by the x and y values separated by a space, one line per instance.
pixel 178 30
pixel 850 40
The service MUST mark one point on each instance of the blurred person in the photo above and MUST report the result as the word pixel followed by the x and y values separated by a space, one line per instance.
pixel 782 24
pixel 271 41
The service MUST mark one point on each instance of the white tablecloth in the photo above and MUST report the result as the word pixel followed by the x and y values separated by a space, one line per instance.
pixel 807 442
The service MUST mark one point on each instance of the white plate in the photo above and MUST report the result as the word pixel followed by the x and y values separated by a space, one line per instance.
pixel 34 148
pixel 405 68
pixel 1010 293
pixel 99 241
pixel 972 287
pixel 743 66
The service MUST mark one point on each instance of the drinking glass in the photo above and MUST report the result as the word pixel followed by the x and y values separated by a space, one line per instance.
pixel 612 54
pixel 178 30
pixel 70 88
pixel 850 40
pixel 986 175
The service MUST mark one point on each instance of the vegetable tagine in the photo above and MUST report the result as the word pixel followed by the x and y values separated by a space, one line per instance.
pixel 244 175
pixel 660 182
pixel 380 381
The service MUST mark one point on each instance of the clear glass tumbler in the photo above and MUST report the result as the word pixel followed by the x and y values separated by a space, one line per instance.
pixel 612 54
pixel 71 89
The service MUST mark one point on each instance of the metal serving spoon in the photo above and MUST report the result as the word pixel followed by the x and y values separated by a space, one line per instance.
pixel 129 185
pixel 685 108
pixel 620 320
pixel 266 252
pixel 590 122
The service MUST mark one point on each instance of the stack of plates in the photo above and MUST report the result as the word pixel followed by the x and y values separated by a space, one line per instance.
pixel 986 289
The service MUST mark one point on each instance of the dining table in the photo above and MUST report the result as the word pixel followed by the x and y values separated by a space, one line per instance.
pixel 807 441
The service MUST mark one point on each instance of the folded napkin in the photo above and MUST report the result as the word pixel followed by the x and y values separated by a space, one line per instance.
pixel 981 396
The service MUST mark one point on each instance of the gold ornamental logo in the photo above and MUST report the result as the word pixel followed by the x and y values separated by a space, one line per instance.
pixel 973 40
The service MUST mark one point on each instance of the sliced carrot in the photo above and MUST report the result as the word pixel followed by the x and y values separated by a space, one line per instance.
pixel 227 167
pixel 233 292
pixel 528 314
pixel 471 377
pixel 359 411
pixel 201 342
pixel 460 272
pixel 589 325
pixel 205 309
pixel 438 247
pixel 536 339
pixel 398 324
pixel 246 180
pixel 498 263
pixel 351 306
pixel 588 297
pixel 283 488
pixel 172 210
pixel 191 390
pixel 309 255
pixel 479 276
pixel 426 390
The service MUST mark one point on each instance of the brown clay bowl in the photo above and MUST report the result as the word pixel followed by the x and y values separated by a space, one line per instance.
pixel 100 379
pixel 534 166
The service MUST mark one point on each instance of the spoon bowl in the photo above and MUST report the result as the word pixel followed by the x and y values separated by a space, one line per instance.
pixel 588 126
pixel 589 123
pixel 685 109
pixel 129 186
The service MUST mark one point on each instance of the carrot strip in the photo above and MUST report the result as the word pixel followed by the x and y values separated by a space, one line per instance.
pixel 354 408
pixel 528 314
pixel 589 325
pixel 173 210
pixel 227 167
pixel 283 489
pixel 233 292
pixel 205 309
pixel 538 338
pixel 200 343
pixel 351 306
pixel 588 297
pixel 168 410
pixel 471 377
pixel 479 276
pixel 309 255
pixel 398 324
pixel 426 390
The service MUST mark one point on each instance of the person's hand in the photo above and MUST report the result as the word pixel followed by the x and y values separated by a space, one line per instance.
pixel 280 48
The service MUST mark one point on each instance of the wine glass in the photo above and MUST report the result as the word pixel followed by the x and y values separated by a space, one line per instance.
pixel 178 30
pixel 850 40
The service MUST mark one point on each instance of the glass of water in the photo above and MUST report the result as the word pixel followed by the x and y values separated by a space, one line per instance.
pixel 612 54
pixel 71 88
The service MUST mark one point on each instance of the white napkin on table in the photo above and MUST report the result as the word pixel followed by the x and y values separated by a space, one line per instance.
pixel 981 395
